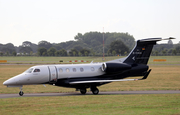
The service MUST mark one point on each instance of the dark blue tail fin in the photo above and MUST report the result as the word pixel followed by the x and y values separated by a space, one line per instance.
pixel 141 52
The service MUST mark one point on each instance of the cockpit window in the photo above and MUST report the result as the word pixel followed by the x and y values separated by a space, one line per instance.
pixel 29 70
pixel 37 70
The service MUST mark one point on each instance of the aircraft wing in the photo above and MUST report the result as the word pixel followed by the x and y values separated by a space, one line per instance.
pixel 101 81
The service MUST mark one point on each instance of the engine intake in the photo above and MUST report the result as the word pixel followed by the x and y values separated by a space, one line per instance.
pixel 115 67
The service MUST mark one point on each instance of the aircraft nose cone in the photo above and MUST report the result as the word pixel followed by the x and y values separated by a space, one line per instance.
pixel 6 82
pixel 9 82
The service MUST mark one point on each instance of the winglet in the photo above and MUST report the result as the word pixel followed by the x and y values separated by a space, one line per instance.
pixel 146 75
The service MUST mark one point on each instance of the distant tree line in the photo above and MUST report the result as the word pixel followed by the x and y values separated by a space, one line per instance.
pixel 88 44
pixel 166 49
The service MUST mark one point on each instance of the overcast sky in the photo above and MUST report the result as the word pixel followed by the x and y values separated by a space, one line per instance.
pixel 60 20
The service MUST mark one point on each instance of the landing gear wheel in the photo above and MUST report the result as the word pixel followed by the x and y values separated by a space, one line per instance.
pixel 95 91
pixel 21 93
pixel 83 91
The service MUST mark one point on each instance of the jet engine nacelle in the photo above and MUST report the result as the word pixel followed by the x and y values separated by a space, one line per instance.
pixel 112 67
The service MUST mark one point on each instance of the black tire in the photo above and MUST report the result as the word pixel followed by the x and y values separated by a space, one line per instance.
pixel 21 93
pixel 83 91
pixel 95 91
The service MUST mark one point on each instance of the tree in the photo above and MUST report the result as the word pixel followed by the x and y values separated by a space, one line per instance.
pixel 63 52
pixel 164 52
pixel 57 46
pixel 156 52
pixel 73 52
pixel 79 36
pixel 89 40
pixel 79 53
pixel 44 44
pixel 177 48
pixel 31 45
pixel 51 51
pixel 7 48
pixel 174 52
pixel 109 52
pixel 25 49
pixel 78 47
pixel 42 51
pixel 1 53
pixel 119 47
pixel 14 53
pixel 125 53
pixel 85 52
pixel 57 53
pixel 114 52
pixel 7 53
pixel 26 44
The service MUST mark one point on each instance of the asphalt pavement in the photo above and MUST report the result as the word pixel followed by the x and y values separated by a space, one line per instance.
pixel 89 93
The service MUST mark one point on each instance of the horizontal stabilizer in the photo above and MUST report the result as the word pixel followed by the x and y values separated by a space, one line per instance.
pixel 155 39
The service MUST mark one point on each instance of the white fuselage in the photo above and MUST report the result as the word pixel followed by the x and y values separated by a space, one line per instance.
pixel 51 73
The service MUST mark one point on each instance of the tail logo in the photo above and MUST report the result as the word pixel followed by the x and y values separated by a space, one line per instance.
pixel 133 58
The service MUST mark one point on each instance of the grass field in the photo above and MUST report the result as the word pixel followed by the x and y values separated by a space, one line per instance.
pixel 55 60
pixel 164 76
pixel 52 60
pixel 93 105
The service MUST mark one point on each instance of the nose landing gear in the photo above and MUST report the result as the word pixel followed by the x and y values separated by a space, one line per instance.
pixel 21 91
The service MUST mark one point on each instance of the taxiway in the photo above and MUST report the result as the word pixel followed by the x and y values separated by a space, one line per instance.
pixel 89 93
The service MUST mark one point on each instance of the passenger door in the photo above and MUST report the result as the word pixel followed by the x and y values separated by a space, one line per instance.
pixel 53 76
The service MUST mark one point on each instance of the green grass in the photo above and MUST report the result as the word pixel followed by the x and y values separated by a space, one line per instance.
pixel 154 104
pixel 55 60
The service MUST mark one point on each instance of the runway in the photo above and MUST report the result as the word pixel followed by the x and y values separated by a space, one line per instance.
pixel 89 93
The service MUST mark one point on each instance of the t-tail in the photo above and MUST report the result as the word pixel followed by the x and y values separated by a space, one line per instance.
pixel 142 51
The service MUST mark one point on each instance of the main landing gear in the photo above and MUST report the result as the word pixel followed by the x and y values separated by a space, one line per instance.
pixel 83 91
pixel 94 90
pixel 21 91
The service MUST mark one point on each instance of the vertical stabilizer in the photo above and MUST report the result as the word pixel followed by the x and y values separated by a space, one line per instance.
pixel 141 52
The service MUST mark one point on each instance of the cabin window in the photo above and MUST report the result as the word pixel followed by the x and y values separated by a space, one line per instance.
pixel 74 69
pixel 37 70
pixel 67 70
pixel 60 70
pixel 92 69
pixel 29 70
pixel 81 69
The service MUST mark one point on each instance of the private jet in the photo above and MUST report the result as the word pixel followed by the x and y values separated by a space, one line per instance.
pixel 91 75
